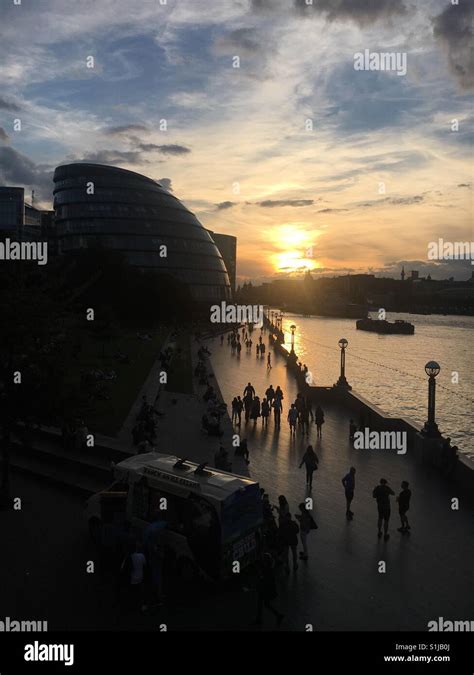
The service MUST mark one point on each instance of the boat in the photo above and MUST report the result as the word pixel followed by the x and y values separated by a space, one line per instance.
pixel 397 327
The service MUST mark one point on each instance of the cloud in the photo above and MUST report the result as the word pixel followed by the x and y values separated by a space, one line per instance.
pixel 16 169
pixel 3 135
pixel 112 157
pixel 8 105
pixel 464 185
pixel 453 27
pixel 363 12
pixel 165 149
pixel 166 183
pixel 125 129
pixel 225 205
pixel 271 203
pixel 393 201
pixel 171 149
pixel 240 41
pixel 331 210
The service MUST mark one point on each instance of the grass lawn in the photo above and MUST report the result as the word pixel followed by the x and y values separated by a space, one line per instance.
pixel 108 416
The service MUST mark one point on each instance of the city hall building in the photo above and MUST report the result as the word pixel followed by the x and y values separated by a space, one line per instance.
pixel 120 210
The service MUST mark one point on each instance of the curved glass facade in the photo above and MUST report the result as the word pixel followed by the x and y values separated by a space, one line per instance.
pixel 124 211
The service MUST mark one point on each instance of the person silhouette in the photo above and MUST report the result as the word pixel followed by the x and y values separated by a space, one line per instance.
pixel 382 494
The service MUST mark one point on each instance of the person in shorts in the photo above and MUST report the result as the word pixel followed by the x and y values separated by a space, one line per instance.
pixel 382 494
pixel 403 500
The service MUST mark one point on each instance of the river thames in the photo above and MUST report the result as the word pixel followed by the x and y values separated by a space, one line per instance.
pixel 389 369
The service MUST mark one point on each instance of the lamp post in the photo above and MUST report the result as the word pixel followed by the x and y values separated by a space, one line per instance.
pixel 272 314
pixel 293 330
pixel 432 370
pixel 342 382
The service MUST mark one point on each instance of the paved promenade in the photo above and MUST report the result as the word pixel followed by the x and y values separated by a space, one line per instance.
pixel 429 572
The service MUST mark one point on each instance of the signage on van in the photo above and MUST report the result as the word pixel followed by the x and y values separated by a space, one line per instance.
pixel 181 480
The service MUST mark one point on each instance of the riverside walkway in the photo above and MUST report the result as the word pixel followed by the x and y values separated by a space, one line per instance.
pixel 428 573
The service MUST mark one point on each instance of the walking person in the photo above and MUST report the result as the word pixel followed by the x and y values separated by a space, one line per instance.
pixel 319 419
pixel 269 361
pixel 292 417
pixel 249 390
pixel 403 500
pixel 304 420
pixel 248 398
pixel 270 394
pixel 307 524
pixel 277 409
pixel 234 409
pixel 382 494
pixel 265 412
pixel 267 590
pixel 288 531
pixel 239 407
pixel 255 410
pixel 311 461
pixel 349 486
pixel 283 508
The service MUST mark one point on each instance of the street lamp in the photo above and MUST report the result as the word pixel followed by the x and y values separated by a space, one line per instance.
pixel 342 382
pixel 432 370
pixel 293 329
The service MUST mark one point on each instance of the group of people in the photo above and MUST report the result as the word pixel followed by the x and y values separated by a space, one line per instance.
pixel 381 493
pixel 300 412
pixel 236 339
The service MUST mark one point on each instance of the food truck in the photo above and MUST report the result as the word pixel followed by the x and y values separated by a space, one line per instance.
pixel 212 518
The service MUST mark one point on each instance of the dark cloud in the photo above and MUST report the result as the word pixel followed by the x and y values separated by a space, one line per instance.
pixel 240 40
pixel 165 149
pixel 112 157
pixel 453 27
pixel 3 134
pixel 331 210
pixel 225 205
pixel 442 269
pixel 125 129
pixel 363 12
pixel 166 183
pixel 18 170
pixel 8 105
pixel 393 201
pixel 271 203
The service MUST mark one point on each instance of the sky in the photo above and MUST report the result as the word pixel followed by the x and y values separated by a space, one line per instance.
pixel 252 113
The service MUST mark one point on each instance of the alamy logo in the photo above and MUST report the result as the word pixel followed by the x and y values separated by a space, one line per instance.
pixel 446 626
pixel 367 60
pixel 381 440
pixel 451 250
pixel 24 250
pixel 225 313
pixel 12 626
pixel 44 652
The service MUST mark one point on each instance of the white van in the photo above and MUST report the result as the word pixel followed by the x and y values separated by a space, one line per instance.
pixel 213 518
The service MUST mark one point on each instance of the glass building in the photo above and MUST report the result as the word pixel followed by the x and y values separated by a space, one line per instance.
pixel 97 205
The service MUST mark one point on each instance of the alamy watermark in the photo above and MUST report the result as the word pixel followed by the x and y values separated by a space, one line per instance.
pixel 451 250
pixel 44 652
pixel 9 625
pixel 367 60
pixel 381 440
pixel 225 313
pixel 445 626
pixel 24 250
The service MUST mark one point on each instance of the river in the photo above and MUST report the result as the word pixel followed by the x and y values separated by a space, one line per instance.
pixel 389 369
